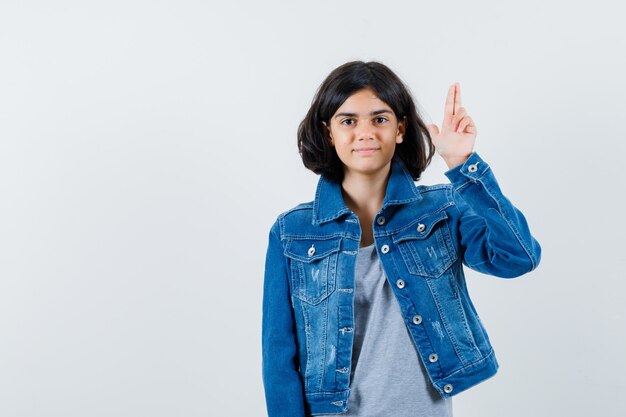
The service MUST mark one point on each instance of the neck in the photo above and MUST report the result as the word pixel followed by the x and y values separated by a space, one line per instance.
pixel 364 193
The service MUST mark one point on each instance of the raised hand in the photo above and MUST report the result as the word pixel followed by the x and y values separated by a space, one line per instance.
pixel 455 141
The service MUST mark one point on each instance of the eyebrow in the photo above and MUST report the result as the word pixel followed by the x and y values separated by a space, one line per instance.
pixel 374 113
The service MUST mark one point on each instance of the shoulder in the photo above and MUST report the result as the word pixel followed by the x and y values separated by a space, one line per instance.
pixel 299 214
pixel 437 194
pixel 298 209
pixel 440 188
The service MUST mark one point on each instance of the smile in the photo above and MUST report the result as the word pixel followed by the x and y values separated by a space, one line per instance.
pixel 366 151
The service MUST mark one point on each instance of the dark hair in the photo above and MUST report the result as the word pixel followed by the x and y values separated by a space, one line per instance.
pixel 313 145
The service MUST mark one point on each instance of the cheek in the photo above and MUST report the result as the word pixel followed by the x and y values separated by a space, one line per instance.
pixel 346 145
pixel 343 151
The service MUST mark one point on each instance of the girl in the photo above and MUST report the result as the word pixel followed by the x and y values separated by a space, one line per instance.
pixel 365 307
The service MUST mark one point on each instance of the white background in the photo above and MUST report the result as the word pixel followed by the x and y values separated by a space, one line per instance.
pixel 146 147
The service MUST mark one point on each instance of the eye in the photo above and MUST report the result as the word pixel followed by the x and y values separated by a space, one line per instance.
pixel 347 122
pixel 380 120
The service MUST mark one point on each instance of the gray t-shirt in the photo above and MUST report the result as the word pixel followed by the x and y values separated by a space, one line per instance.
pixel 388 378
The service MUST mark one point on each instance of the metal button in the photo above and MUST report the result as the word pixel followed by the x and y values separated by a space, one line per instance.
pixel 473 167
pixel 381 220
pixel 417 319
pixel 384 249
pixel 311 250
pixel 400 283
pixel 447 388
pixel 421 227
pixel 433 357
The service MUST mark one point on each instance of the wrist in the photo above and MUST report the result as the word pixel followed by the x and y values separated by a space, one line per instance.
pixel 454 162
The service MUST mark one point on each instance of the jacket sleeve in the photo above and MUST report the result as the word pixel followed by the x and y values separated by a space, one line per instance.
pixel 284 393
pixel 495 237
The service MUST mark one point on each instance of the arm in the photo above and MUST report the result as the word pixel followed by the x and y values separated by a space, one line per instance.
pixel 284 393
pixel 495 237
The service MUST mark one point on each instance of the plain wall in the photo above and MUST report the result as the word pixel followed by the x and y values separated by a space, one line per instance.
pixel 146 147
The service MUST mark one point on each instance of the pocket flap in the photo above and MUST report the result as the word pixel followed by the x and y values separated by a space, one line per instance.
pixel 420 229
pixel 309 250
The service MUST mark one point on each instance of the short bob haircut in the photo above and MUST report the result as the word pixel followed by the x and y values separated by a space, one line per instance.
pixel 314 145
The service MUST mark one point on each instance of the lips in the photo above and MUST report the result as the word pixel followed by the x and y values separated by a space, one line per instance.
pixel 366 149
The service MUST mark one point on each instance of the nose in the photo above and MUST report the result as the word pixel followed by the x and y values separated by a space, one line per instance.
pixel 364 131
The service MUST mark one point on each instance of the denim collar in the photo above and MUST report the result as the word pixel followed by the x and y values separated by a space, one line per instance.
pixel 329 204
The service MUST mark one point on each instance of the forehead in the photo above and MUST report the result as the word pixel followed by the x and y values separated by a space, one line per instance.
pixel 365 98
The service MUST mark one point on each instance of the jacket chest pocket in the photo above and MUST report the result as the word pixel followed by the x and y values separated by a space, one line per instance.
pixel 313 267
pixel 426 246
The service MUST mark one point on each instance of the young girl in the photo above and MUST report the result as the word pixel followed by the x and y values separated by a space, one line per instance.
pixel 365 307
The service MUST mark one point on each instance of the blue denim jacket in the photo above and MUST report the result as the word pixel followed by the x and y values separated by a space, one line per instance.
pixel 423 234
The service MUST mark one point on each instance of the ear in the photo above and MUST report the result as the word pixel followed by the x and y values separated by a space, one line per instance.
pixel 330 135
pixel 401 130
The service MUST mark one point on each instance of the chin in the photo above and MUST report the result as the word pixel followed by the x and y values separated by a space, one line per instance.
pixel 368 167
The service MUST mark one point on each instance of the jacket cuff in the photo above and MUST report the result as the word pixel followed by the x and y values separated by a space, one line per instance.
pixel 470 170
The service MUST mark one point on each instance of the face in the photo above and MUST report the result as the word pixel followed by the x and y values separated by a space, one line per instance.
pixel 364 131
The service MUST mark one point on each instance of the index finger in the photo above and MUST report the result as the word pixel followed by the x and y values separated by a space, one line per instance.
pixel 453 101
pixel 457 98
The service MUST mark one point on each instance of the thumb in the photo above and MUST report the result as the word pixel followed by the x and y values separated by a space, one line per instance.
pixel 433 130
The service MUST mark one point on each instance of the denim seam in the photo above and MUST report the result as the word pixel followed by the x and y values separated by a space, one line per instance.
pixel 316 207
pixel 313 236
pixel 313 393
pixel 398 202
pixel 459 255
pixel 463 185
pixel 475 265
pixel 484 358
pixel 464 260
pixel 442 243
pixel 323 361
pixel 461 310
pixel 446 325
pixel 302 206
pixel 509 223
pixel 331 273
pixel 331 217
pixel 306 342
pixel 339 342
pixel 281 229
pixel 414 266
pixel 433 187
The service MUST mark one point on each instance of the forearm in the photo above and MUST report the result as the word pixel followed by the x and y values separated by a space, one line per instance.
pixel 284 391
pixel 494 233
